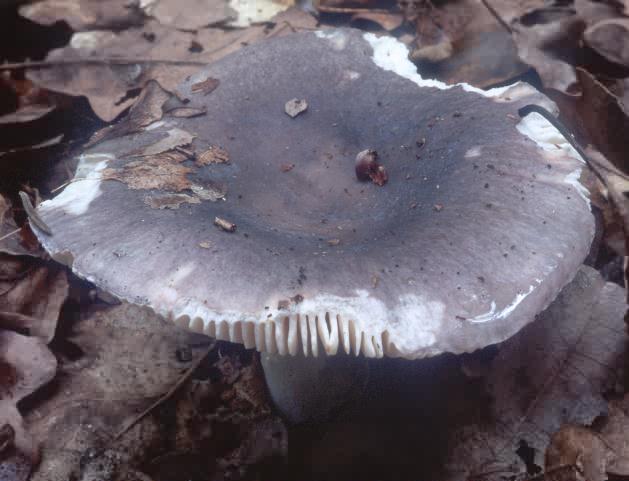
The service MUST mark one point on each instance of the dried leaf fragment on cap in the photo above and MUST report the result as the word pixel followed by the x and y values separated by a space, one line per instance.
pixel 206 86
pixel 170 201
pixel 213 155
pixel 295 106
pixel 162 171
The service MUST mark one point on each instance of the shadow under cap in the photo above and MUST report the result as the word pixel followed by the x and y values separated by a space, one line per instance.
pixel 475 232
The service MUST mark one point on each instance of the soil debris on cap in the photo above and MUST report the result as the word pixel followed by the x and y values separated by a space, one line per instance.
pixel 295 106
pixel 334 242
pixel 224 224
pixel 206 86
pixel 170 201
pixel 213 155
pixel 211 192
pixel 368 168
pixel 205 245
pixel 287 167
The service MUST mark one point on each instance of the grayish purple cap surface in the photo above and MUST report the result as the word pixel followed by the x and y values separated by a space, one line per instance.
pixel 476 231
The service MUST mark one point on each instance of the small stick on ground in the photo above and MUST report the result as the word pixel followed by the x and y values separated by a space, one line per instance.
pixel 33 216
pixel 166 396
pixel 6 236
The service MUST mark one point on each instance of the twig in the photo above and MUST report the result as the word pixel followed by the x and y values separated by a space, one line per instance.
pixel 166 396
pixel 6 236
pixel 595 166
pixel 45 64
pixel 497 16
pixel 33 216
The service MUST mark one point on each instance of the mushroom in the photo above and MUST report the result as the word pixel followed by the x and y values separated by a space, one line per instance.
pixel 402 278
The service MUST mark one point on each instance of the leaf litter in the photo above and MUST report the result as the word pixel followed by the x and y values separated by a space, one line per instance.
pixel 138 62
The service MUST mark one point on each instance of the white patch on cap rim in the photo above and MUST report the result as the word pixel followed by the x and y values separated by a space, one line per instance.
pixel 84 188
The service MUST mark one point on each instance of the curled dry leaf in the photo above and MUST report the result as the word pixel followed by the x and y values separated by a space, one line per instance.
pixel 610 38
pixel 540 34
pixel 146 110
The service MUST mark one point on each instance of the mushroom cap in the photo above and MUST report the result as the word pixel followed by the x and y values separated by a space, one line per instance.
pixel 481 223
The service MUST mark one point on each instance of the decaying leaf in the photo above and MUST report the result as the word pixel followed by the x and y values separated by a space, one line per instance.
pixel 130 359
pixel 206 86
pixel 540 35
pixel 388 21
pixel 610 38
pixel 147 109
pixel 105 65
pixel 212 155
pixel 186 112
pixel 250 12
pixel 31 295
pixel 210 191
pixel 295 106
pixel 176 138
pixel 84 14
pixel 162 171
pixel 26 364
pixel 190 15
pixel 554 372
pixel 10 235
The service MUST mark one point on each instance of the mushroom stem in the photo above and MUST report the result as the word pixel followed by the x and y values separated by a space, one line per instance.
pixel 310 389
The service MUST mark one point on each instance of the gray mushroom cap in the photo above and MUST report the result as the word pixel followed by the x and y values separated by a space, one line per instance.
pixel 475 232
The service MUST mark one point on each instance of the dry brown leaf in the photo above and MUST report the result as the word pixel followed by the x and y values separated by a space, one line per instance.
pixel 147 109
pixel 476 48
pixel 106 82
pixel 610 38
pixel 161 171
pixel 26 364
pixel 176 138
pixel 388 21
pixel 186 112
pixel 604 119
pixel 32 102
pixel 190 15
pixel 31 295
pixel 213 155
pixel 26 114
pixel 131 357
pixel 540 35
pixel 12 240
pixel 84 14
